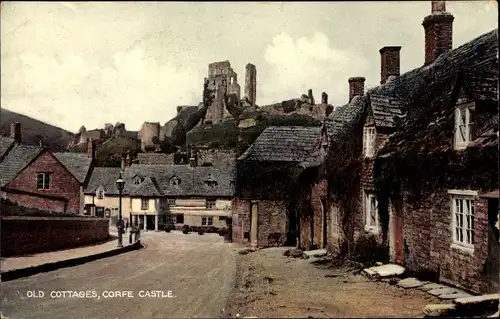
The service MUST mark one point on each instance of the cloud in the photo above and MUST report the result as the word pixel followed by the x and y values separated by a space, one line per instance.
pixel 297 65
pixel 74 90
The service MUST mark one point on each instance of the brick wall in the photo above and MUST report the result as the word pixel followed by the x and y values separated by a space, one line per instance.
pixel 62 184
pixel 53 205
pixel 27 235
pixel 429 238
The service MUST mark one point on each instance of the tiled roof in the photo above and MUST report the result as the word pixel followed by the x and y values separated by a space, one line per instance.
pixel 79 164
pixel 434 83
pixel 345 116
pixel 158 180
pixel 16 160
pixel 5 145
pixel 285 144
pixel 105 176
pixel 155 158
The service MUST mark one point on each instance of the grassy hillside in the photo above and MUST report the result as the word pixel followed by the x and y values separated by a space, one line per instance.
pixel 55 138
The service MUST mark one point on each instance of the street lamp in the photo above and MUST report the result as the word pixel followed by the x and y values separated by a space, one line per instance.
pixel 120 184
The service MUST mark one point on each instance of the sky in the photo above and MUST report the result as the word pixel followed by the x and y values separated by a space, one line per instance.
pixel 88 63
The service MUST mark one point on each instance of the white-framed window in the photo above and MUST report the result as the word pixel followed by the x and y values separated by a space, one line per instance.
pixel 210 203
pixel 171 201
pixel 463 125
pixel 371 213
pixel 137 180
pixel 463 220
pixel 144 204
pixel 178 218
pixel 369 135
pixel 100 192
pixel 207 221
pixel 43 180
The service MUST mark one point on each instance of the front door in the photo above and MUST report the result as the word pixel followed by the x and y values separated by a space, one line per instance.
pixel 254 223
pixel 398 233
pixel 493 246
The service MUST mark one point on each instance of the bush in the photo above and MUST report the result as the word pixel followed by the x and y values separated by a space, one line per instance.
pixel 368 249
pixel 200 232
pixel 167 228
pixel 211 229
pixel 223 231
pixel 186 229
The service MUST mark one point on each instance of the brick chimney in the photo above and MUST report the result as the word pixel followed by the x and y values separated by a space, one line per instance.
pixel 389 63
pixel 15 132
pixel 356 86
pixel 126 161
pixel 193 159
pixel 438 27
pixel 91 148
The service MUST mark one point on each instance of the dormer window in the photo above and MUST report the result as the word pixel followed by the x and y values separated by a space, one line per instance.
pixel 210 181
pixel 369 141
pixel 100 192
pixel 463 125
pixel 137 180
pixel 174 181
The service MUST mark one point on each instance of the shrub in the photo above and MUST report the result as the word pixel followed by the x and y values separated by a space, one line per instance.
pixel 223 231
pixel 200 232
pixel 211 229
pixel 167 228
pixel 186 229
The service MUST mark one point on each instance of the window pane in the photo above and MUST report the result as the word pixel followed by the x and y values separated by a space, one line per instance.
pixel 457 233
pixel 462 119
pixel 46 181
pixel 39 181
pixel 472 237
pixel 472 207
pixel 460 220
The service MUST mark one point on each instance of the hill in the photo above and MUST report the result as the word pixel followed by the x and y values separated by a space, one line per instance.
pixel 55 138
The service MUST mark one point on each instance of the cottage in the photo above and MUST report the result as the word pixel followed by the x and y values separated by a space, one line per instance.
pixel 34 177
pixel 154 195
pixel 429 162
pixel 280 195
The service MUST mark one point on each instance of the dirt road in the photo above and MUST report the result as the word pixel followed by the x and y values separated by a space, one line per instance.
pixel 272 285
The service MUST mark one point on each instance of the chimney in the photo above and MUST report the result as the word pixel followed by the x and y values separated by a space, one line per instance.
pixel 126 161
pixel 389 63
pixel 356 86
pixel 15 132
pixel 324 98
pixel 438 27
pixel 91 148
pixel 310 96
pixel 193 160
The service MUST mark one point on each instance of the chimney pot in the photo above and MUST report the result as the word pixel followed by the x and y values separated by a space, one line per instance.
pixel 15 132
pixel 438 28
pixel 91 148
pixel 356 86
pixel 389 62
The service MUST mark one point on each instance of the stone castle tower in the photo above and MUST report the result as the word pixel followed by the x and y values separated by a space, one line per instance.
pixel 251 83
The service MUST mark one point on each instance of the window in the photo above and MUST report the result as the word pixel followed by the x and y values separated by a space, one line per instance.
pixel 222 217
pixel 210 203
pixel 174 181
pixel 144 204
pixel 334 211
pixel 207 221
pixel 463 126
pixel 43 181
pixel 179 218
pixel 107 213
pixel 171 201
pixel 463 220
pixel 137 180
pixel 371 213
pixel 369 141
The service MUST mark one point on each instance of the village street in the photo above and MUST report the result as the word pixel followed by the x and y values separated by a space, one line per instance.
pixel 198 270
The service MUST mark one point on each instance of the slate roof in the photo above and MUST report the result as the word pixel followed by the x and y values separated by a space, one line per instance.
pixel 105 176
pixel 5 144
pixel 79 164
pixel 285 144
pixel 345 116
pixel 472 67
pixel 155 158
pixel 16 160
pixel 194 181
pixel 434 83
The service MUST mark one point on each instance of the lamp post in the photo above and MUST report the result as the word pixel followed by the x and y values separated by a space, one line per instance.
pixel 120 184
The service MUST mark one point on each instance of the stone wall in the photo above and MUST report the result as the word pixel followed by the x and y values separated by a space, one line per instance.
pixel 272 219
pixel 216 157
pixel 317 200
pixel 429 238
pixel 28 235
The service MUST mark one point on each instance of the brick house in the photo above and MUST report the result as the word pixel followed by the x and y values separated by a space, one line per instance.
pixel 33 176
pixel 280 195
pixel 429 174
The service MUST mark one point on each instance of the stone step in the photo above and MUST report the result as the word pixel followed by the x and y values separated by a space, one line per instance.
pixel 410 283
pixel 455 295
pixel 432 286
pixel 389 270
pixel 478 305
pixel 316 253
pixel 443 291
pixel 438 310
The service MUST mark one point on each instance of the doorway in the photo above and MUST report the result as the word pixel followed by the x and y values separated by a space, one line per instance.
pixel 325 223
pixel 398 231
pixel 254 223
pixel 492 266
